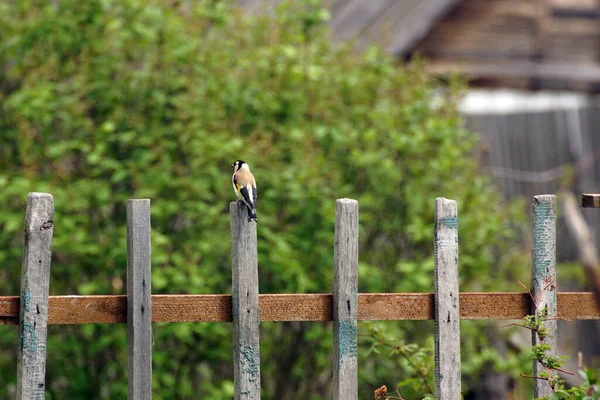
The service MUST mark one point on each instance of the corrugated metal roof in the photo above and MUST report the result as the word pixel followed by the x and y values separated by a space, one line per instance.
pixel 393 24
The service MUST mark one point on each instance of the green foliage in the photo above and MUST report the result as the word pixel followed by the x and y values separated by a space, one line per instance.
pixel 105 100
pixel 588 390
pixel 415 362
pixel 541 353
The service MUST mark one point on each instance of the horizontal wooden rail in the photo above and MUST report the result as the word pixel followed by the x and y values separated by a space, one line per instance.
pixel 297 307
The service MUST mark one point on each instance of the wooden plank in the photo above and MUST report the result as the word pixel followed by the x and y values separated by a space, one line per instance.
pixel 35 285
pixel 577 27
pixel 345 300
pixel 111 309
pixel 446 301
pixel 578 12
pixel 588 72
pixel 139 300
pixel 543 277
pixel 590 200
pixel 573 3
pixel 244 306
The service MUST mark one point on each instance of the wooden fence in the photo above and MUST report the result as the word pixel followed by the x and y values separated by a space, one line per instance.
pixel 33 310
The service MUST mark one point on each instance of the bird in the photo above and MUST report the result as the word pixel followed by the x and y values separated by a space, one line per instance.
pixel 244 186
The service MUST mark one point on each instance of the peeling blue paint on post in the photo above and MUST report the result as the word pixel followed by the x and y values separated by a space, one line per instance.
pixel 450 222
pixel 544 219
pixel 28 338
pixel 26 295
pixel 249 371
pixel 347 341
pixel 251 363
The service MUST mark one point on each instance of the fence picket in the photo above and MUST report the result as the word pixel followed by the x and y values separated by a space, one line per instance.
pixel 139 300
pixel 543 276
pixel 33 309
pixel 245 313
pixel 447 327
pixel 345 300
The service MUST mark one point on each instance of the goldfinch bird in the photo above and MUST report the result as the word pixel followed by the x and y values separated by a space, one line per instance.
pixel 244 186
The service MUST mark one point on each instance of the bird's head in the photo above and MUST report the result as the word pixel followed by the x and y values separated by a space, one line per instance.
pixel 238 165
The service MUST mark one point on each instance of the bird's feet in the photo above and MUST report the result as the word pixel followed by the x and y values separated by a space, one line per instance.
pixel 238 201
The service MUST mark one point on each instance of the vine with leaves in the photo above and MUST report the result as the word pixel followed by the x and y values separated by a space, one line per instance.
pixel 542 353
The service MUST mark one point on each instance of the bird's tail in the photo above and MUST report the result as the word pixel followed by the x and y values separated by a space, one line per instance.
pixel 252 215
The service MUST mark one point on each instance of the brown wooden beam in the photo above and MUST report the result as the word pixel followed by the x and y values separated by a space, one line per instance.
pixel 590 200
pixel 297 307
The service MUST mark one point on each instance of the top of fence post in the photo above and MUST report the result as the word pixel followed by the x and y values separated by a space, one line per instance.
pixel 35 285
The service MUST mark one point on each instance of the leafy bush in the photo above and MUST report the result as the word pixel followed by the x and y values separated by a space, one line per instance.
pixel 105 100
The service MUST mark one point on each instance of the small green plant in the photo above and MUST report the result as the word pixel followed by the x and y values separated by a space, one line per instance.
pixel 542 353
pixel 590 387
pixel 416 361
pixel 382 394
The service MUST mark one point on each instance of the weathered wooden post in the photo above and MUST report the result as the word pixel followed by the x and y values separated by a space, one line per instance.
pixel 543 277
pixel 447 316
pixel 35 285
pixel 345 300
pixel 139 300
pixel 245 314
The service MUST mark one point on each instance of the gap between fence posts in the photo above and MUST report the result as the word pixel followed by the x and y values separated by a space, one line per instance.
pixel 345 300
pixel 139 300
pixel 245 313
pixel 543 277
pixel 446 306
pixel 35 285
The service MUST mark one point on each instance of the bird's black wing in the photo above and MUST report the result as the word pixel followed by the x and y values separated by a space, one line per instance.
pixel 246 196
